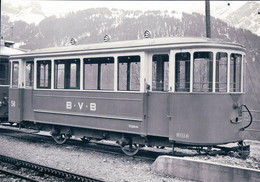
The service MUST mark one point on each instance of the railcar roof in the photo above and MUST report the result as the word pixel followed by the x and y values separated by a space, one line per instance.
pixel 7 51
pixel 131 44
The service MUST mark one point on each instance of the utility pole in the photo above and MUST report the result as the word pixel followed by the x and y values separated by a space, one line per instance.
pixel 207 13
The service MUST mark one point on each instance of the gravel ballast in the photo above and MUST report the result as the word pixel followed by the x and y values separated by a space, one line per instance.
pixel 104 166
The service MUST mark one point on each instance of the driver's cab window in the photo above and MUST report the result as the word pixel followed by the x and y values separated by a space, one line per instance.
pixel 15 74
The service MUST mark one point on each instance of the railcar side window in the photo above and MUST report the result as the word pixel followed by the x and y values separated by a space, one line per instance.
pixel 160 72
pixel 221 71
pixel 15 74
pixel 44 74
pixel 59 75
pixel 235 72
pixel 67 74
pixel 129 73
pixel 29 74
pixel 74 78
pixel 99 73
pixel 4 71
pixel 202 71
pixel 182 72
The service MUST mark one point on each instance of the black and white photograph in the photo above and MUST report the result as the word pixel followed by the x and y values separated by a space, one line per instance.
pixel 130 91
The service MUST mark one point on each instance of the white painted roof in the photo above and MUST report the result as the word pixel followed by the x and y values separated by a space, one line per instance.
pixel 7 51
pixel 131 45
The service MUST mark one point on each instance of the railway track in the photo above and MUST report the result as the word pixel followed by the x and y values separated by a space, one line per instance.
pixel 108 148
pixel 76 145
pixel 41 170
pixel 9 173
pixel 146 153
pixel 95 146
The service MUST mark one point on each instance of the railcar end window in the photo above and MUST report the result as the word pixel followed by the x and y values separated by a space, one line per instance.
pixel 182 72
pixel 4 71
pixel 129 73
pixel 44 74
pixel 15 74
pixel 99 73
pixel 235 72
pixel 29 74
pixel 221 71
pixel 202 72
pixel 160 72
pixel 67 74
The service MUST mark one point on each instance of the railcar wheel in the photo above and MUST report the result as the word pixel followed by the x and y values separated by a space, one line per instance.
pixel 60 139
pixel 130 149
pixel 199 150
pixel 86 139
pixel 160 147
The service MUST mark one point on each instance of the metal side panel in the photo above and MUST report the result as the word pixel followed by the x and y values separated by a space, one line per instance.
pixel 158 122
pixel 122 112
pixel 205 118
pixel 15 104
pixel 28 104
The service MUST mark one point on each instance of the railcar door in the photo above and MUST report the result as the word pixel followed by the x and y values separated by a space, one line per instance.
pixel 158 110
pixel 4 86
pixel 15 93
pixel 177 106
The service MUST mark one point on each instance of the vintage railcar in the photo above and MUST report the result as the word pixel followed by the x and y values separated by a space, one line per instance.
pixel 155 92
pixel 6 50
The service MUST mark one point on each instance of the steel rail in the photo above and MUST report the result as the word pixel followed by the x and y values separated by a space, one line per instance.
pixel 48 170
pixel 90 146
pixel 115 149
pixel 9 173
pixel 98 147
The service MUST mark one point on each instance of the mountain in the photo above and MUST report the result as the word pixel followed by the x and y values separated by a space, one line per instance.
pixel 30 13
pixel 245 17
pixel 91 25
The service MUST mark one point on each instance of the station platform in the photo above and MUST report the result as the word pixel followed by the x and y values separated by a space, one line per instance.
pixel 199 170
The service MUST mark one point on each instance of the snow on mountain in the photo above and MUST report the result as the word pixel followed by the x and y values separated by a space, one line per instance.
pixel 30 12
pixel 245 17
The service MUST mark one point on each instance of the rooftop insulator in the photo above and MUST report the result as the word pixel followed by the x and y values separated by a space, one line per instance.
pixel 73 41
pixel 107 38
pixel 147 34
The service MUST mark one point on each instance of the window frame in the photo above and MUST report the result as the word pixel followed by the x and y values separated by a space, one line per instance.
pixel 49 62
pixel 128 76
pixel 217 72
pixel 18 75
pixel 7 66
pixel 240 77
pixel 99 61
pixel 32 75
pixel 67 62
pixel 189 75
pixel 164 88
pixel 214 51
pixel 209 72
